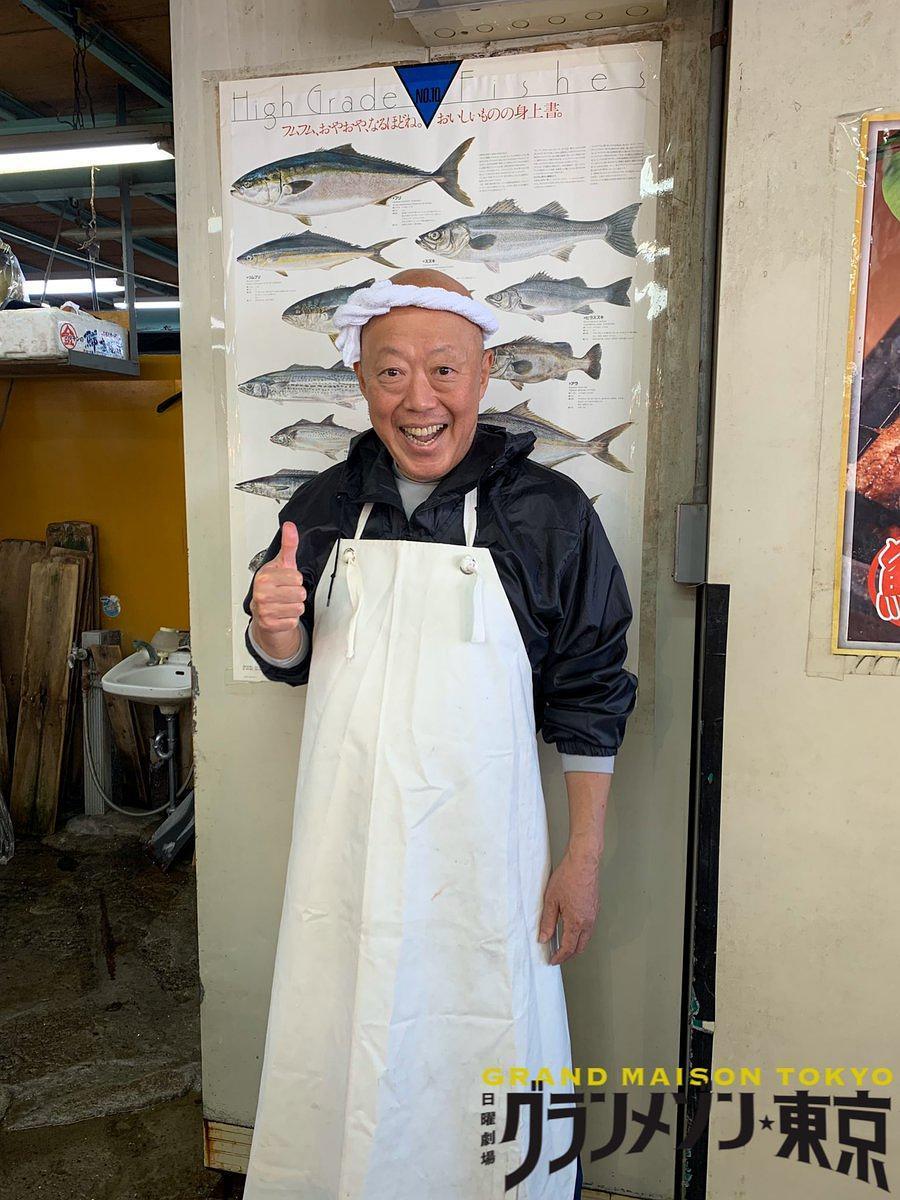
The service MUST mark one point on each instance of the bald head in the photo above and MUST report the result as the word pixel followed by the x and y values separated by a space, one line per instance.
pixel 428 277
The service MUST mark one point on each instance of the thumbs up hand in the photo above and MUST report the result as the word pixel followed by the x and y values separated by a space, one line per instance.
pixel 279 598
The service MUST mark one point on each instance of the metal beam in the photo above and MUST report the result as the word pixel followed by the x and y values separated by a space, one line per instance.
pixel 28 187
pixel 12 109
pixel 143 245
pixel 125 60
pixel 28 121
pixel 166 202
pixel 43 245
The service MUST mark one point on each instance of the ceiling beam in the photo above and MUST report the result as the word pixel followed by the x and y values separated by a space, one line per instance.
pixel 35 187
pixel 166 202
pixel 30 122
pixel 36 242
pixel 12 109
pixel 143 245
pixel 127 62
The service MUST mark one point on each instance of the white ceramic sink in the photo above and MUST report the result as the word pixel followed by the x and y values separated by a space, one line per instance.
pixel 136 678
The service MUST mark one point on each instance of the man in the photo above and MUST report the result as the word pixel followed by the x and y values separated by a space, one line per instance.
pixel 444 597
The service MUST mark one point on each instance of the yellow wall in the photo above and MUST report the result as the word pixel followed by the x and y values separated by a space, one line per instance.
pixel 85 449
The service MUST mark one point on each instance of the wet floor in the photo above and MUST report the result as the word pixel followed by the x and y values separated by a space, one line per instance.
pixel 99 1022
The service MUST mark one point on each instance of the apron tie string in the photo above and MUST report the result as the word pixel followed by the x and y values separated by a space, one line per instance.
pixel 355 591
pixel 469 567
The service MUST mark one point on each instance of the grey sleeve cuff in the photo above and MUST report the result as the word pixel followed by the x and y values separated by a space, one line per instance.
pixel 282 662
pixel 588 762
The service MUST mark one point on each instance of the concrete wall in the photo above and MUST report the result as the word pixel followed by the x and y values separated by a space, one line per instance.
pixel 808 965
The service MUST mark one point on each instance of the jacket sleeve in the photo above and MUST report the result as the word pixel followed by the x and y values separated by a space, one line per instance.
pixel 298 673
pixel 587 692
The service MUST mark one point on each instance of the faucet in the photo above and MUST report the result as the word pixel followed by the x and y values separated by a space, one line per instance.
pixel 151 650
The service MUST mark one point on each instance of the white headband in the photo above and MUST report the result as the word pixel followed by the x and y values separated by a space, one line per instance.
pixel 373 301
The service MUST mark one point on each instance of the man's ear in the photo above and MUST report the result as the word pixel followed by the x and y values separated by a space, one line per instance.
pixel 359 376
pixel 487 361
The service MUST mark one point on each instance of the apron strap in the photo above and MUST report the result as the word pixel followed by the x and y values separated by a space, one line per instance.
pixel 470 515
pixel 363 517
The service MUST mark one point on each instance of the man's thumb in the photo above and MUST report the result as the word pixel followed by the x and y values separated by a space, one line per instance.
pixel 290 540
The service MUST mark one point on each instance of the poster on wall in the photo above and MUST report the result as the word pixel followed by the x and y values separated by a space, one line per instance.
pixel 867 589
pixel 532 183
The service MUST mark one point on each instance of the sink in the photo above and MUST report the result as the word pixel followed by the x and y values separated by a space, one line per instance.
pixel 167 684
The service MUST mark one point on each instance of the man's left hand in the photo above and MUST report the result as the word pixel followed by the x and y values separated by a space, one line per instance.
pixel 573 894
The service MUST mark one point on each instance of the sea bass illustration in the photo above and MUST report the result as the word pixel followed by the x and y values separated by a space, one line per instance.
pixel 541 296
pixel 332 385
pixel 555 445
pixel 504 233
pixel 527 360
pixel 325 436
pixel 328 181
pixel 314 313
pixel 308 249
pixel 280 486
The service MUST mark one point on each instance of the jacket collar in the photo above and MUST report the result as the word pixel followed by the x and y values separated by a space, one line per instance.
pixel 369 475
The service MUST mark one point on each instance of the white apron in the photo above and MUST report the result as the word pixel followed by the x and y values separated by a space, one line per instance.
pixel 408 959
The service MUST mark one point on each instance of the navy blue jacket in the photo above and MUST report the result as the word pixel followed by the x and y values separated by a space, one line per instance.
pixel 563 581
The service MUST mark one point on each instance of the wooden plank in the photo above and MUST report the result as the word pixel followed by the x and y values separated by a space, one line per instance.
pixel 80 535
pixel 44 702
pixel 16 558
pixel 73 750
pixel 4 739
pixel 122 720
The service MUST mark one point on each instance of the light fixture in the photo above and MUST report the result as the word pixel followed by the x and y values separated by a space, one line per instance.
pixel 73 287
pixel 87 156
pixel 111 146
pixel 150 304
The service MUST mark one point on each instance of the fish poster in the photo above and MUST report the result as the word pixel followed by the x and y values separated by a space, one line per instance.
pixel 867 587
pixel 533 184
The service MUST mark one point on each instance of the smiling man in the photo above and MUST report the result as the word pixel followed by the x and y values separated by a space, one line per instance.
pixel 446 599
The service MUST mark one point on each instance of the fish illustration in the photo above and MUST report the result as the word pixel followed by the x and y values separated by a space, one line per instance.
pixel 542 296
pixel 12 280
pixel 280 486
pixel 526 360
pixel 504 233
pixel 325 436
pixel 315 313
pixel 332 385
pixel 327 181
pixel 257 560
pixel 308 249
pixel 555 445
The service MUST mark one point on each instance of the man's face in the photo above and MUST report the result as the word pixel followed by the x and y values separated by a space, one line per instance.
pixel 423 374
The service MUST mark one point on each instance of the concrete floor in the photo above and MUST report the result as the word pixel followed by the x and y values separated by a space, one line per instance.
pixel 99 1022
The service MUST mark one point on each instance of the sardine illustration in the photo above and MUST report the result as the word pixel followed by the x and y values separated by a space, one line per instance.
pixel 308 249
pixel 553 444
pixel 314 313
pixel 526 360
pixel 504 233
pixel 280 486
pixel 325 436
pixel 328 181
pixel 541 296
pixel 333 385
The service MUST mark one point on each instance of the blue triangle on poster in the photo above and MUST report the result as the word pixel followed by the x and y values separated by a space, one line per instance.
pixel 427 84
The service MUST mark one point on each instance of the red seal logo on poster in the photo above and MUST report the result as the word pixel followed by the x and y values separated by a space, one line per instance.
pixel 68 336
pixel 884 581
